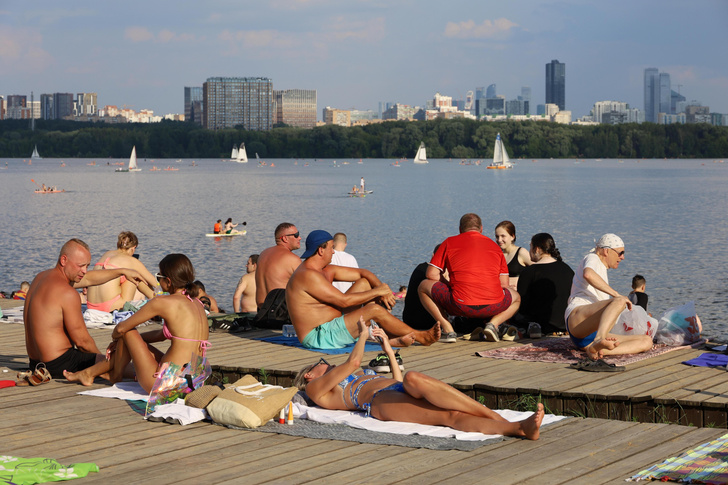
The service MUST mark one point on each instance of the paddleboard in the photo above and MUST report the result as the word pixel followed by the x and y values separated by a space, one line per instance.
pixel 366 192
pixel 238 233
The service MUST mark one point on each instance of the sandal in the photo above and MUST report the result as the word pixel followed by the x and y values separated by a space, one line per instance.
pixel 598 365
pixel 40 375
pixel 22 378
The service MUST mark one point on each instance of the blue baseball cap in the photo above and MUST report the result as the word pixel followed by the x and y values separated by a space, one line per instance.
pixel 314 240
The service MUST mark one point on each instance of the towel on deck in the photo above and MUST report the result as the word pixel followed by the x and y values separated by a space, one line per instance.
pixel 708 360
pixel 27 471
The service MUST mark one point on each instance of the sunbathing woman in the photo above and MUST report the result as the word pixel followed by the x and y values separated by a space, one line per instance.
pixel 185 324
pixel 113 294
pixel 416 398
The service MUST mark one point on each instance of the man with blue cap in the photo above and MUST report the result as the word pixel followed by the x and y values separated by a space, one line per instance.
pixel 326 318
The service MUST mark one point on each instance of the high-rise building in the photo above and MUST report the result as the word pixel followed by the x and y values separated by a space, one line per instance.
pixel 479 93
pixel 15 105
pixel 665 93
pixel 234 101
pixel 62 105
pixel 652 94
pixel 677 102
pixel 193 104
pixel 296 107
pixel 86 104
pixel 46 107
pixel 556 84
pixel 490 92
pixel 333 116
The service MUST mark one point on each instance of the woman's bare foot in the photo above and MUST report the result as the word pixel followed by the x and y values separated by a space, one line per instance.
pixel 429 337
pixel 595 350
pixel 531 426
pixel 403 341
pixel 81 377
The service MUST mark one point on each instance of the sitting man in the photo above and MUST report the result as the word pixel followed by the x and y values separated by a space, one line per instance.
pixel 244 297
pixel 478 285
pixel 55 332
pixel 22 292
pixel 325 318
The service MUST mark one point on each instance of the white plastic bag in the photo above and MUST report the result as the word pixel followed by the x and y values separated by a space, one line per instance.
pixel 679 326
pixel 635 322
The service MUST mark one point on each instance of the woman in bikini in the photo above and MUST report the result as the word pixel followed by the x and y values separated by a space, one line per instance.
pixel 185 325
pixel 113 294
pixel 516 257
pixel 413 398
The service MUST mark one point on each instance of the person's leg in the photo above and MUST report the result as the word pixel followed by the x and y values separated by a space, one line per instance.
pixel 597 317
pixel 86 376
pixel 425 293
pixel 437 393
pixel 143 359
pixel 403 334
pixel 396 406
pixel 510 311
pixel 629 344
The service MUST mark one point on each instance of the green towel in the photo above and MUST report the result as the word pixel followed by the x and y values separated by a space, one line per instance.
pixel 27 471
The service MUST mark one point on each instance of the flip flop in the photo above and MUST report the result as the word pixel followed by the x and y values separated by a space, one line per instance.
pixel 476 334
pixel 598 365
pixel 40 375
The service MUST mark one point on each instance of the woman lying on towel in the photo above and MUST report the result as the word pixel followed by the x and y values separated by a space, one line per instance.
pixel 414 398
pixel 185 324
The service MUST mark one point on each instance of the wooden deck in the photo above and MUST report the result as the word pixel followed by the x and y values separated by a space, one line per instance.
pixel 53 421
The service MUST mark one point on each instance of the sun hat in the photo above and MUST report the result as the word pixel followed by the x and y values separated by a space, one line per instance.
pixel 610 240
pixel 314 240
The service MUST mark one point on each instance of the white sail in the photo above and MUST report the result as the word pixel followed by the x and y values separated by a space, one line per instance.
pixel 242 154
pixel 234 154
pixel 500 155
pixel 421 156
pixel 133 161
pixel 35 154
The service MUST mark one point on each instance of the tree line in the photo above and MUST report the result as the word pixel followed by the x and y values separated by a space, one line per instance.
pixel 458 138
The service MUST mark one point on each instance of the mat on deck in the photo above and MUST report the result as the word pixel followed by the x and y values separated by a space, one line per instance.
pixel 562 351
pixel 708 463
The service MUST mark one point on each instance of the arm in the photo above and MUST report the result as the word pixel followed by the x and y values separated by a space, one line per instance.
pixel 524 257
pixel 597 282
pixel 238 295
pixel 396 372
pixel 153 308
pixel 319 288
pixel 74 324
pixel 343 273
pixel 504 280
pixel 101 276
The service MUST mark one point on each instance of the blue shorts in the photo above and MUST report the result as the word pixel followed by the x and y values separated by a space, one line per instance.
pixel 582 343
pixel 329 335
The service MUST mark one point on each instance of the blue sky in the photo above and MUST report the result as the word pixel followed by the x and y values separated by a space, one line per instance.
pixel 356 53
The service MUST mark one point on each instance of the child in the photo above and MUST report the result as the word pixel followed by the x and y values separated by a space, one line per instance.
pixel 638 296
pixel 20 294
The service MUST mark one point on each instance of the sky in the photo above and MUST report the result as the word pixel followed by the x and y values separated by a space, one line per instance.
pixel 358 53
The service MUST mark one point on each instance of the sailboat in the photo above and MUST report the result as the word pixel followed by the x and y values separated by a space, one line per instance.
pixel 35 155
pixel 500 156
pixel 242 154
pixel 421 156
pixel 234 154
pixel 132 163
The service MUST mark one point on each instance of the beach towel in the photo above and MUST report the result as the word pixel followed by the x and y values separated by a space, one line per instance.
pixel 13 315
pixel 27 471
pixel 561 350
pixel 293 342
pixel 708 463
pixel 708 360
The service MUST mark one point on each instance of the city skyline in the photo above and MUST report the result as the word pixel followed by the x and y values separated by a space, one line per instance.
pixel 358 54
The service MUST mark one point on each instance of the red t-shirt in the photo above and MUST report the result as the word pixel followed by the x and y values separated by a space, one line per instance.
pixel 474 263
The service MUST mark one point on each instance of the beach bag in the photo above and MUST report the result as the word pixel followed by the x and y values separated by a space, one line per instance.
pixel 175 382
pixel 273 313
pixel 679 326
pixel 248 404
pixel 635 322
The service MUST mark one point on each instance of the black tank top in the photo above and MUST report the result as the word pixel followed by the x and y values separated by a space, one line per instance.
pixel 514 266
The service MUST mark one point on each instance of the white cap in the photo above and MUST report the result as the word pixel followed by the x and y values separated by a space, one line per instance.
pixel 610 241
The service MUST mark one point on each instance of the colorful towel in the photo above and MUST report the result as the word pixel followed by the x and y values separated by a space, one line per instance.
pixel 27 471
pixel 707 463
pixel 708 360
pixel 562 351
pixel 293 342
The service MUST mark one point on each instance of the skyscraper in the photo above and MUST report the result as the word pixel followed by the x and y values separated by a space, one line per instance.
pixel 652 94
pixel 665 93
pixel 490 92
pixel 233 101
pixel 296 107
pixel 556 84
pixel 193 104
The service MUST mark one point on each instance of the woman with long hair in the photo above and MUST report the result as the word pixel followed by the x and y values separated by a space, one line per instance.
pixel 516 257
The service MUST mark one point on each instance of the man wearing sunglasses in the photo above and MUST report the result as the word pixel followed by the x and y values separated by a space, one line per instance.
pixel 326 318
pixel 276 264
pixel 594 306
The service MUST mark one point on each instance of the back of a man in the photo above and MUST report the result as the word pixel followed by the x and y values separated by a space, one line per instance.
pixel 342 258
pixel 277 263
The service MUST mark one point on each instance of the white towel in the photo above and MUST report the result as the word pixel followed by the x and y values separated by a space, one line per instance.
pixel 130 391
pixel 97 318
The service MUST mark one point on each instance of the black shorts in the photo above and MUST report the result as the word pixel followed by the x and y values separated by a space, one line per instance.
pixel 72 360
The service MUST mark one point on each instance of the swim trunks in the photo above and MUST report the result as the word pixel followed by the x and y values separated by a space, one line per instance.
pixel 583 342
pixel 442 295
pixel 72 360
pixel 329 335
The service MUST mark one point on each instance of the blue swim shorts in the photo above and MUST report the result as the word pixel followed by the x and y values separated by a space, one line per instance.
pixel 329 335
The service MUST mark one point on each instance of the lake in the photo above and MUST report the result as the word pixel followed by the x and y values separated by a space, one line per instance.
pixel 670 213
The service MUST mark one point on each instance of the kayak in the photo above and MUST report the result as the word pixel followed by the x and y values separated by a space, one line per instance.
pixel 234 233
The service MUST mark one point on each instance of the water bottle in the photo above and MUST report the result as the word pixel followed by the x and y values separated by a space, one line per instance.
pixel 289 331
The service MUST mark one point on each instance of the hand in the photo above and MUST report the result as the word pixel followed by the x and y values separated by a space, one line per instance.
pixel 363 327
pixel 133 275
pixel 381 335
pixel 116 335
pixel 111 349
pixel 386 297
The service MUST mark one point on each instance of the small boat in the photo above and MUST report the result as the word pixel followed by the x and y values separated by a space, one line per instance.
pixel 234 154
pixel 132 163
pixel 360 193
pixel 171 169
pixel 35 155
pixel 500 156
pixel 222 234
pixel 93 164
pixel 155 169
pixel 421 155
pixel 242 156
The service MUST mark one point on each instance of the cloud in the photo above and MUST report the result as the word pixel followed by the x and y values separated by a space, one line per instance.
pixel 22 50
pixel 489 29
pixel 142 34
pixel 138 34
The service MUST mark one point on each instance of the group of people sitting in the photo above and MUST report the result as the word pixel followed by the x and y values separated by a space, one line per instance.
pixel 469 276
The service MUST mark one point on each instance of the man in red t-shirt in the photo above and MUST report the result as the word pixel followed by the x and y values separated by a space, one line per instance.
pixel 468 277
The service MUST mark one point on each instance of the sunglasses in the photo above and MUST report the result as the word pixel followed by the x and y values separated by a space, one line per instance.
pixel 159 276
pixel 295 234
pixel 619 253
pixel 321 361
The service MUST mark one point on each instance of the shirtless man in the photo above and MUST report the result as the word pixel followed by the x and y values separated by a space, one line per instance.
pixel 276 264
pixel 113 294
pixel 55 332
pixel 244 297
pixel 326 318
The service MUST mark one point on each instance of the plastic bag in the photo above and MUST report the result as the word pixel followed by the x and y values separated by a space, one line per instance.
pixel 175 382
pixel 635 322
pixel 679 326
